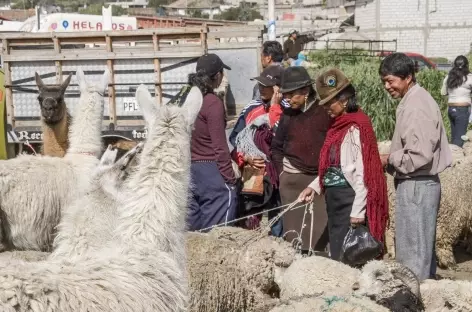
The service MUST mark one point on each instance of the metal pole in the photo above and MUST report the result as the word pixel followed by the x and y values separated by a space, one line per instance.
pixel 38 16
pixel 271 13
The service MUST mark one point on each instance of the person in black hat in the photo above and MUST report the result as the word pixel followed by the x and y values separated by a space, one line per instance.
pixel 268 107
pixel 214 196
pixel 294 45
pixel 295 149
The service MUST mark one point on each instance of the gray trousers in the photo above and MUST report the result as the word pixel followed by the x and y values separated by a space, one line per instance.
pixel 416 210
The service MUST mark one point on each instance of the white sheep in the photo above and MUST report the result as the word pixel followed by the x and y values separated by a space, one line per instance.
pixel 388 284
pixel 454 220
pixel 446 295
pixel 33 189
pixel 143 267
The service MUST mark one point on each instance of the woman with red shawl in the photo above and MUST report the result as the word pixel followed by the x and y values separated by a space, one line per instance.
pixel 350 171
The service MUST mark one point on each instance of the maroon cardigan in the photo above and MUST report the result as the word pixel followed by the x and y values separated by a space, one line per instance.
pixel 209 141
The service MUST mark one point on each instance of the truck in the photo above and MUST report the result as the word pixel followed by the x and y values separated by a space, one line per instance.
pixel 161 59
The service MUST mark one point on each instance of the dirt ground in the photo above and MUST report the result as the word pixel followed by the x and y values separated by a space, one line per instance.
pixel 463 271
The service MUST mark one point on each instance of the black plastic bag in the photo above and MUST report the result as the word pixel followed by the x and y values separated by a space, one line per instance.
pixel 359 246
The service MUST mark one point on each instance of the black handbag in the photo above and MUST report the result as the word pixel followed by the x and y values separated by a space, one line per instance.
pixel 359 246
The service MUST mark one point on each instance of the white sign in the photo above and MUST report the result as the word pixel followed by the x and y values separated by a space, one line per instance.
pixel 130 105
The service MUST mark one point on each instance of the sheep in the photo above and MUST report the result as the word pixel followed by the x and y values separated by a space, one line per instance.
pixel 31 198
pixel 143 267
pixel 55 117
pixel 317 276
pixel 329 302
pixel 227 275
pixel 454 218
pixel 447 295
pixel 390 285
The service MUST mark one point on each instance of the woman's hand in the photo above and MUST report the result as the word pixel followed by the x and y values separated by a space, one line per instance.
pixel 307 195
pixel 277 97
pixel 356 221
pixel 257 163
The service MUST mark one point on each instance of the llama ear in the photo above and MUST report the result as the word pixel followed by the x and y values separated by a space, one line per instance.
pixel 146 103
pixel 66 83
pixel 81 79
pixel 105 79
pixel 192 105
pixel 39 81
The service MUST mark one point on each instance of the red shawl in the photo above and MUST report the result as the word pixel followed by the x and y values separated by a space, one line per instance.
pixel 374 178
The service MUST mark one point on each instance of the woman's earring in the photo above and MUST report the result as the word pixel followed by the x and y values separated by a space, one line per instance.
pixel 306 99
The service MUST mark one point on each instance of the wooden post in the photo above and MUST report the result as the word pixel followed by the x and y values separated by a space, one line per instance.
pixel 203 38
pixel 57 49
pixel 111 87
pixel 157 71
pixel 8 88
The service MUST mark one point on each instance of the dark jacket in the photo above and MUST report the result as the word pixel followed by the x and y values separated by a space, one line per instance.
pixel 292 48
pixel 299 138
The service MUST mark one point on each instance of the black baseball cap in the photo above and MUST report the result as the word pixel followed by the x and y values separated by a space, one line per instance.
pixel 270 76
pixel 211 64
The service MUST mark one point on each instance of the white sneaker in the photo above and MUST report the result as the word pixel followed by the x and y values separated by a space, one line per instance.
pixel 464 138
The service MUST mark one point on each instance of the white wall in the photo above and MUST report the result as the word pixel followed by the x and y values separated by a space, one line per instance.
pixel 430 27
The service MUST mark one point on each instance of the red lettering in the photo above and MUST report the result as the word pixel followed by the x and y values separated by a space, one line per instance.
pixel 91 26
pixel 76 25
pixel 84 25
pixel 122 26
pixel 113 26
pixel 99 26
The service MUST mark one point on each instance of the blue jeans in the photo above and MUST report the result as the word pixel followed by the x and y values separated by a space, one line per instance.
pixel 277 228
pixel 459 119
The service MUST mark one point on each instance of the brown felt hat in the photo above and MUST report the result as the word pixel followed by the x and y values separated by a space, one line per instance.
pixel 331 83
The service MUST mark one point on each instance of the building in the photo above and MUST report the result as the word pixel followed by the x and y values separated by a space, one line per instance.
pixel 205 7
pixel 130 4
pixel 435 28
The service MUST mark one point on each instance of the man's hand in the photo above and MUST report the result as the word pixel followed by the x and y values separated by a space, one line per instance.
pixel 384 159
pixel 307 195
pixel 257 163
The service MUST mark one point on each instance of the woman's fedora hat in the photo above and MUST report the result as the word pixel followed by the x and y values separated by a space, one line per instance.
pixel 294 78
pixel 329 84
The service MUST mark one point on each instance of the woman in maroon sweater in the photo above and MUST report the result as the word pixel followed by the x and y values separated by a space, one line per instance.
pixel 213 199
pixel 295 151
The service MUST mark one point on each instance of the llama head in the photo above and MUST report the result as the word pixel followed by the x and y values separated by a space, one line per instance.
pixel 89 87
pixel 112 173
pixel 51 100
pixel 86 128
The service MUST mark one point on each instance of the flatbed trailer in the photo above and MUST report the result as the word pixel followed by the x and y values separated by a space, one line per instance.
pixel 158 58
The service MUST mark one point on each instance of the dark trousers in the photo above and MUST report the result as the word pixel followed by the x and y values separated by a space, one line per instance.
pixel 338 205
pixel 459 119
pixel 212 201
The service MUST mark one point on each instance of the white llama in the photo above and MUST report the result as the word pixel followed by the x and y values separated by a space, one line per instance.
pixel 143 266
pixel 85 225
pixel 89 222
pixel 34 189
